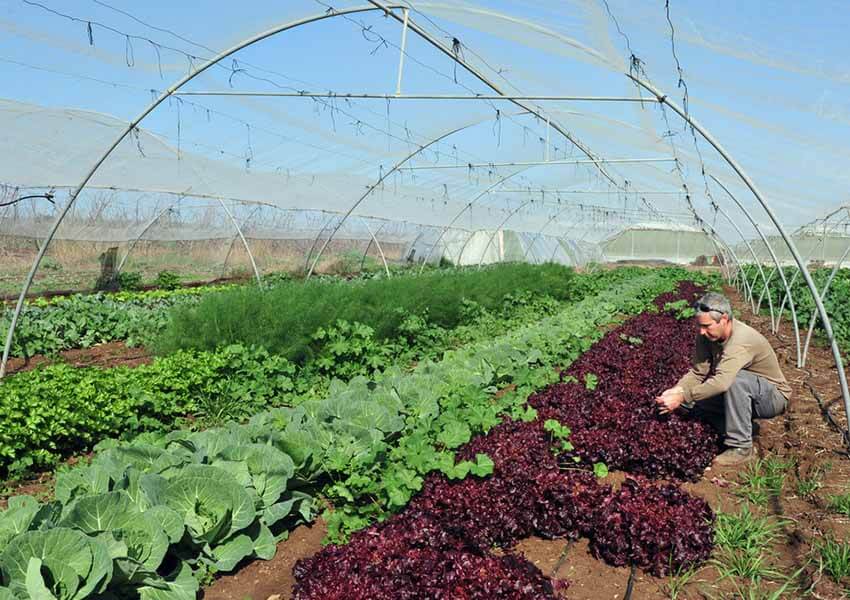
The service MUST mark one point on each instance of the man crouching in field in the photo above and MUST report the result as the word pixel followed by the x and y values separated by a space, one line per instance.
pixel 735 378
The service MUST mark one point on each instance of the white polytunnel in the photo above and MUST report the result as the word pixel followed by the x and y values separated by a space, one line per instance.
pixel 309 137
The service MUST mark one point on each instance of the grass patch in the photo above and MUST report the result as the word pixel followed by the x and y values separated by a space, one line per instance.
pixel 677 581
pixel 840 503
pixel 743 545
pixel 807 486
pixel 762 479
pixel 834 559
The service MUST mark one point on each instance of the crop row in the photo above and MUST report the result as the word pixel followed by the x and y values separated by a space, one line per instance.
pixel 57 410
pixel 442 544
pixel 250 315
pixel 145 516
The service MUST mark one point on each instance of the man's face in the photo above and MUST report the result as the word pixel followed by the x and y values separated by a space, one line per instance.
pixel 711 329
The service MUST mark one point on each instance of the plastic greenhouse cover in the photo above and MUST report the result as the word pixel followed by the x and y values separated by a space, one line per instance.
pixel 742 71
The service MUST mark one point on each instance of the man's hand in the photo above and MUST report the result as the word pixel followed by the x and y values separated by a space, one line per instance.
pixel 670 400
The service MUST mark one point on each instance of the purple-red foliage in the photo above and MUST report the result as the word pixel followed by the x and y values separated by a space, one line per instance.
pixel 439 546
pixel 658 528
pixel 617 423
pixel 415 557
pixel 527 494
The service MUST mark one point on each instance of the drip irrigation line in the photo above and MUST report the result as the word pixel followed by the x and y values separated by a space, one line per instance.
pixel 630 584
pixel 563 558
pixel 681 73
pixel 824 410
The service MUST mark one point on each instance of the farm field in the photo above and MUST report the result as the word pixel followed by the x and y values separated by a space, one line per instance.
pixel 478 300
pixel 774 519
pixel 465 366
pixel 563 480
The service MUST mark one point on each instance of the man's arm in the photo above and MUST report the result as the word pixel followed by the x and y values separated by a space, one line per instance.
pixel 732 361
pixel 701 364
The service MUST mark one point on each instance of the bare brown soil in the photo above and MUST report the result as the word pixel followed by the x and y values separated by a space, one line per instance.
pixel 802 435
pixel 111 354
pixel 260 580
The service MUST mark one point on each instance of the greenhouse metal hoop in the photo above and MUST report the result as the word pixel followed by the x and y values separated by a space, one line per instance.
pixel 374 238
pixel 836 353
pixel 755 259
pixel 130 127
pixel 824 292
pixel 820 244
pixel 388 10
pixel 770 250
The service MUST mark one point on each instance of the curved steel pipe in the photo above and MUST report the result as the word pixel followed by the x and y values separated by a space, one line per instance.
pixel 813 318
pixel 131 126
pixel 767 245
pixel 836 353
pixel 466 207
pixel 755 258
pixel 377 245
pixel 499 228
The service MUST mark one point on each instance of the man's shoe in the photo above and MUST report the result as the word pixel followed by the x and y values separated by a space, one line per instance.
pixel 734 456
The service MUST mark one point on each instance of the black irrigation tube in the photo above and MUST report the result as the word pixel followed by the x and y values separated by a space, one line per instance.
pixel 630 585
pixel 824 409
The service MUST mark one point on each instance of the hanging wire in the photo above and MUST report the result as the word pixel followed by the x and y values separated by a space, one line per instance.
pixel 681 84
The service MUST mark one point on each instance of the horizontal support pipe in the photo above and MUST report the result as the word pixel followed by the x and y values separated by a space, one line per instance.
pixel 565 191
pixel 366 96
pixel 539 162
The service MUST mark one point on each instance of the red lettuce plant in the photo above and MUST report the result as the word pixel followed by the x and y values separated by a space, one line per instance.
pixel 658 528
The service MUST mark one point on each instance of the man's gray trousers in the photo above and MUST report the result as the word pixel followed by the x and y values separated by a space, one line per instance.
pixel 749 397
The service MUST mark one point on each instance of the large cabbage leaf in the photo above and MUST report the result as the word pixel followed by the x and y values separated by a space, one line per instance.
pixel 181 587
pixel 140 536
pixel 6 594
pixel 67 563
pixel 17 517
pixel 82 481
pixel 269 469
pixel 212 503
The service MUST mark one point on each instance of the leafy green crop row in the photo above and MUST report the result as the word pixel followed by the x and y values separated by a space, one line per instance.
pixel 143 516
pixel 84 320
pixel 49 326
pixel 58 410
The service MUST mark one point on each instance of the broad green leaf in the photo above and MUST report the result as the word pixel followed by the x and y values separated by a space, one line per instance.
pixel 17 517
pixel 63 552
pixel 483 465
pixel 211 502
pixel 454 434
pixel 6 594
pixel 269 469
pixel 144 457
pixel 276 512
pixel 82 481
pixel 228 554
pixel 170 521
pixel 181 587
pixel 64 581
pixel 103 512
pixel 264 542
pixel 600 470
